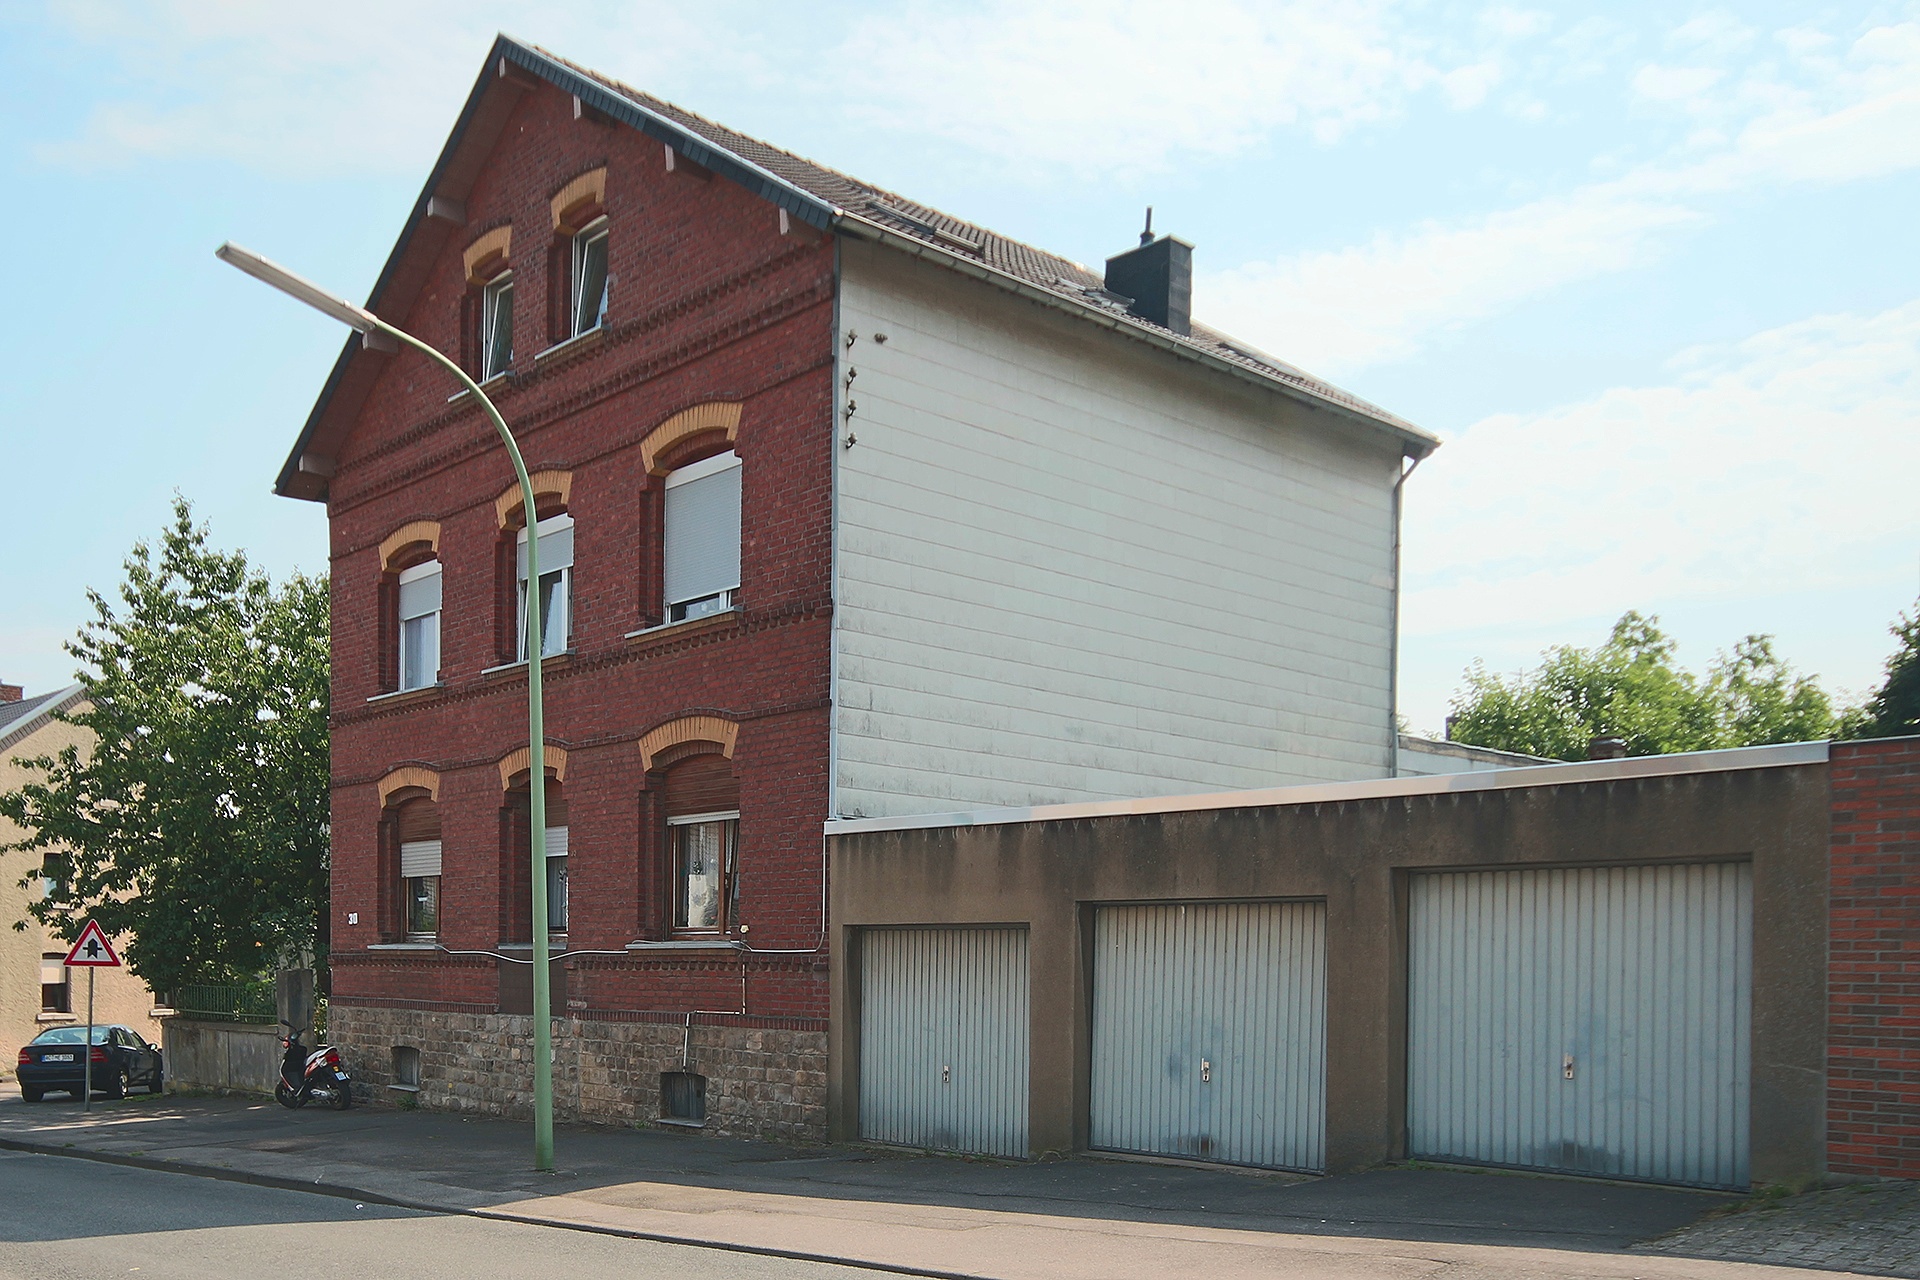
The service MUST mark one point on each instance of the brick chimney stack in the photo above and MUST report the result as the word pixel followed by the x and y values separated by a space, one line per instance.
pixel 11 693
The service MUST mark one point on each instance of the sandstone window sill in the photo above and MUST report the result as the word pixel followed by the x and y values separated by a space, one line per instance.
pixel 518 667
pixel 421 694
pixel 54 1017
pixel 681 1124
pixel 404 1088
pixel 556 947
pixel 498 382
pixel 687 944
pixel 579 344
pixel 667 632
pixel 403 946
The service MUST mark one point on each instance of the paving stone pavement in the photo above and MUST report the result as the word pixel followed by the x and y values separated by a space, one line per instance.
pixel 1868 1227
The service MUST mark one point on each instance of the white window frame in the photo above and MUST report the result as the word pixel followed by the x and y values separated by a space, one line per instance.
pixel 719 601
pixel 49 963
pixel 490 304
pixel 551 525
pixel 418 573
pixel 729 872
pixel 583 241
pixel 417 851
pixel 557 838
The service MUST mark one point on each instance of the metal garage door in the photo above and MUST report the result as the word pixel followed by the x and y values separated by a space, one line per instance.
pixel 1209 1032
pixel 943 1039
pixel 1589 1020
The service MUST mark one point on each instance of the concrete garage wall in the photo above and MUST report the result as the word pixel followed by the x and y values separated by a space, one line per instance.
pixel 240 1056
pixel 1353 846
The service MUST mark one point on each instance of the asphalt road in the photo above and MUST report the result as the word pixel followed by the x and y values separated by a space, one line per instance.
pixel 66 1219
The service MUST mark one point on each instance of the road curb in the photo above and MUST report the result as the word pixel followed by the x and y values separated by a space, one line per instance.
pixel 340 1191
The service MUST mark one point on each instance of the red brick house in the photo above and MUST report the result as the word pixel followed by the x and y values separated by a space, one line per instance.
pixel 847 508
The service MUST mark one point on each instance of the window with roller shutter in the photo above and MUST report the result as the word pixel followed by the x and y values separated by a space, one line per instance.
pixel 417 826
pixel 702 552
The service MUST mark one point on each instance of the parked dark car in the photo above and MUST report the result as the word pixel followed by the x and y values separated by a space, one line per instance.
pixel 50 1062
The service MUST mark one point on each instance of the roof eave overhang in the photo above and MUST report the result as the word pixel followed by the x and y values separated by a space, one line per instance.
pixel 1413 442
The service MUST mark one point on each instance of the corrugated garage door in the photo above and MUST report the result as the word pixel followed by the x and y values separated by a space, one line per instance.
pixel 943 1039
pixel 1209 1032
pixel 1591 1020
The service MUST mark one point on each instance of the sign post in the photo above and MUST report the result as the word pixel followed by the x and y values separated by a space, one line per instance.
pixel 91 951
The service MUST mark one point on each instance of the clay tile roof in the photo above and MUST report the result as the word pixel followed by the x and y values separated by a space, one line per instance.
pixel 1013 257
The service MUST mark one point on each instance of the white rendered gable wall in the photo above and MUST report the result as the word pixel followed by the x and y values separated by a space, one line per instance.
pixel 1069 568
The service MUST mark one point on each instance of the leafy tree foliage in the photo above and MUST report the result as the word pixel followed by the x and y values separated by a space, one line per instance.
pixel 1630 688
pixel 197 825
pixel 1894 712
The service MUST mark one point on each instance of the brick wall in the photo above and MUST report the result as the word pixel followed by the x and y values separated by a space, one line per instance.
pixel 710 301
pixel 1873 1034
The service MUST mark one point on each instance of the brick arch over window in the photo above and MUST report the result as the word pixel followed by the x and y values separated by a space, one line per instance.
pixel 580 201
pixel 487 256
pixel 554 487
pixel 515 762
pixel 687 736
pixel 407 540
pixel 406 777
pixel 718 417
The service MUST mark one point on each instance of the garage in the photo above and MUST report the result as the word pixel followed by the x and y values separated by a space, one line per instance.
pixel 1209 1032
pixel 943 1039
pixel 1589 1020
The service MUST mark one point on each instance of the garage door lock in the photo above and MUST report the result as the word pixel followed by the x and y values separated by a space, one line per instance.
pixel 1206 1072
pixel 946 1075
pixel 1566 1066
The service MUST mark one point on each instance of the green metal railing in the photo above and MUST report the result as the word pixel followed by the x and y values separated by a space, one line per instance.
pixel 254 1002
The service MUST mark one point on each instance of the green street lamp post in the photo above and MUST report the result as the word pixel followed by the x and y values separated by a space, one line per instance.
pixel 365 322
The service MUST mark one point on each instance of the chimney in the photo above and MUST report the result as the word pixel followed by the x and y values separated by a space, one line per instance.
pixel 1158 276
pixel 11 693
pixel 1607 748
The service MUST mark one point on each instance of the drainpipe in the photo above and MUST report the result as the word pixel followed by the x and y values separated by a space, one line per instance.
pixel 1393 637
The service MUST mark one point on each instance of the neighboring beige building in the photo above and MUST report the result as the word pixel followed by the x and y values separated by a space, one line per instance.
pixel 36 990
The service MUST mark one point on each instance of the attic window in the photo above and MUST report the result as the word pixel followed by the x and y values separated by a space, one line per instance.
pixel 590 277
pixel 969 241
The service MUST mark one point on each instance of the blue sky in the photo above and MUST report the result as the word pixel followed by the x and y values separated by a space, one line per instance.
pixel 1651 271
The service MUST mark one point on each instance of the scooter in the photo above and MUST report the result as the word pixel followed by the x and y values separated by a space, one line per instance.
pixel 316 1073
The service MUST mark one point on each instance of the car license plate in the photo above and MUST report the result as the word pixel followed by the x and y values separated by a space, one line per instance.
pixel 57 1057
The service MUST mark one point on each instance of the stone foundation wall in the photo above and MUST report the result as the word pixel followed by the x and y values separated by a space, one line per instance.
pixel 763 1081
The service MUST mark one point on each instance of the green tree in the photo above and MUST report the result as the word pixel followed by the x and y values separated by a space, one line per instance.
pixel 1894 712
pixel 197 825
pixel 1631 688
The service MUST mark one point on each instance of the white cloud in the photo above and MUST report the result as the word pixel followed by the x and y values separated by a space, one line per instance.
pixel 1777 465
pixel 344 87
pixel 1834 120
pixel 1118 89
pixel 1342 310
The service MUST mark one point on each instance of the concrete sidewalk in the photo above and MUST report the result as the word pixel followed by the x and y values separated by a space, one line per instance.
pixel 1093 1218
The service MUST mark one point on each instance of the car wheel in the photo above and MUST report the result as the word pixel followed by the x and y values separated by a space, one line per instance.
pixel 30 1095
pixel 117 1086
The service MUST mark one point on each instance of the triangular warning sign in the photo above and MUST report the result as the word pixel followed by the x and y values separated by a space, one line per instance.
pixel 92 950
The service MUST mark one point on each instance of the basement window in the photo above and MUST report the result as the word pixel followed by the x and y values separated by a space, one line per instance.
pixel 406 1066
pixel 683 1098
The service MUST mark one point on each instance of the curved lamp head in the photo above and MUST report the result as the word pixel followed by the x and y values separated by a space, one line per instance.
pixel 357 318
